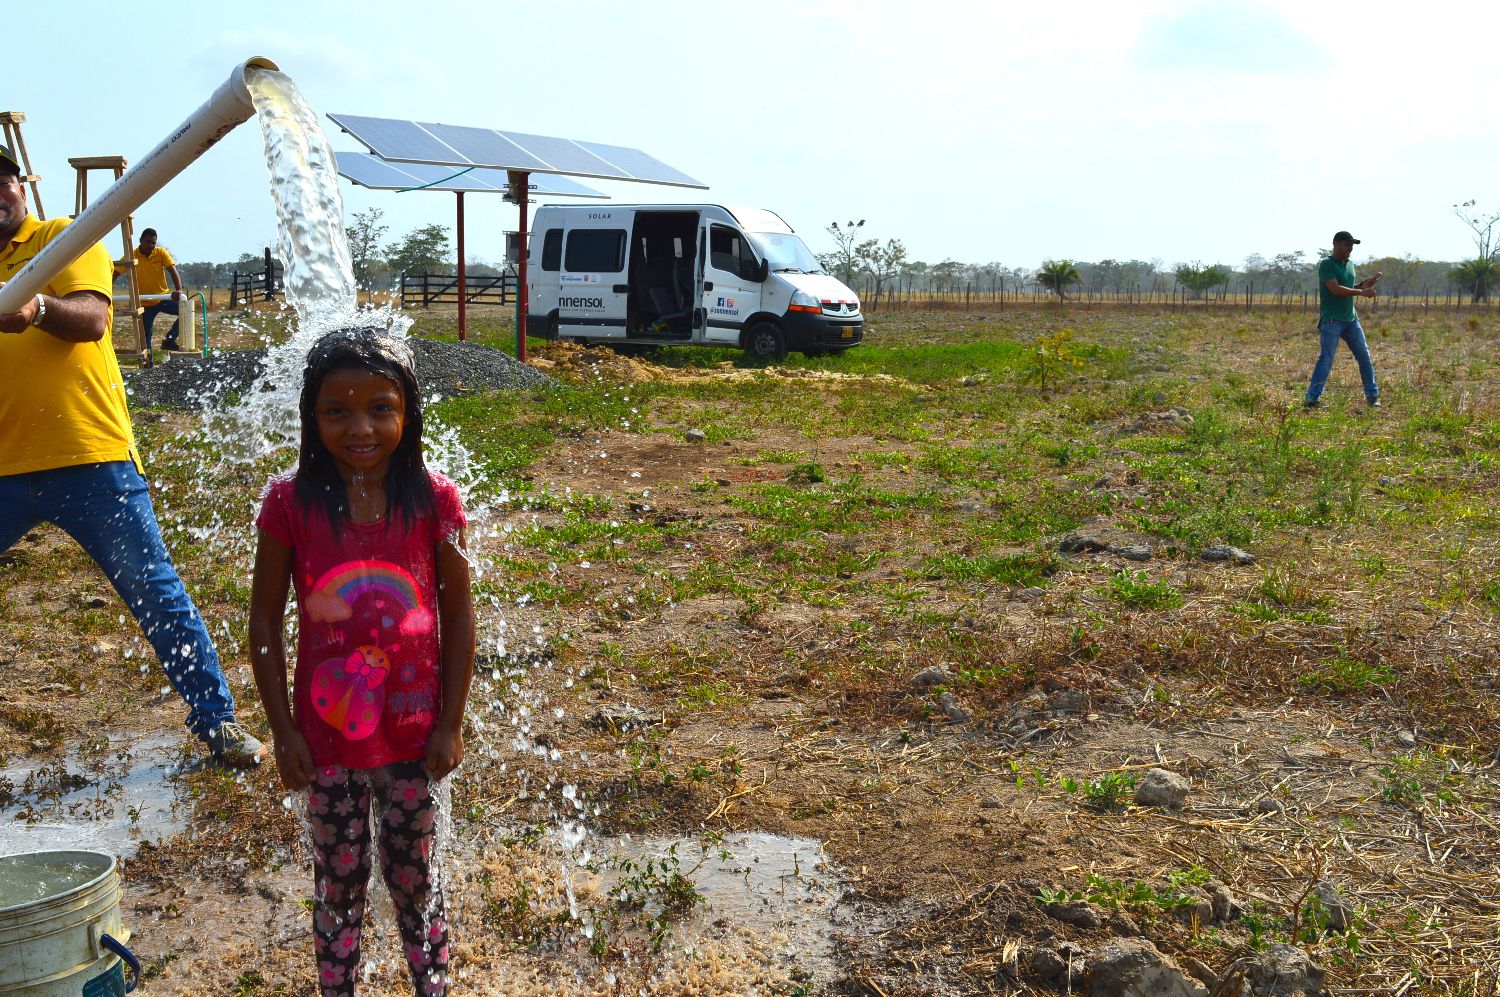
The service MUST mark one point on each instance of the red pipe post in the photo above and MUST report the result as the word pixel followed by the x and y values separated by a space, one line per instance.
pixel 520 183
pixel 463 324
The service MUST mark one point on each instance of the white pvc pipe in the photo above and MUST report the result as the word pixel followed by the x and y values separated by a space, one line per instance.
pixel 229 105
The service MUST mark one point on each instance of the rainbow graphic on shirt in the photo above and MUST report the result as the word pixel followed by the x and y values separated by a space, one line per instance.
pixel 332 597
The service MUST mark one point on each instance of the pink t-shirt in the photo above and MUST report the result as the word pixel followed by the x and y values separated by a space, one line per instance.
pixel 367 689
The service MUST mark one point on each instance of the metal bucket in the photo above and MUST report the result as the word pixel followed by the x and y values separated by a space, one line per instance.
pixel 60 932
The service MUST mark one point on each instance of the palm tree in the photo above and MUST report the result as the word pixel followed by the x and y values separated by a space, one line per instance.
pixel 1477 275
pixel 1057 276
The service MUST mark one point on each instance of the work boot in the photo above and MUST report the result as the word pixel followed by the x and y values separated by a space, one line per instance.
pixel 170 344
pixel 235 746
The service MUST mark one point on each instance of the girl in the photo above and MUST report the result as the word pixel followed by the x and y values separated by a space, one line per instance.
pixel 372 542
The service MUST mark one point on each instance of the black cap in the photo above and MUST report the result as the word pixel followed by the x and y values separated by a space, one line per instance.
pixel 8 162
pixel 1342 236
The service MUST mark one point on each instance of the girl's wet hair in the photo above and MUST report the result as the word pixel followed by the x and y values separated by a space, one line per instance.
pixel 408 488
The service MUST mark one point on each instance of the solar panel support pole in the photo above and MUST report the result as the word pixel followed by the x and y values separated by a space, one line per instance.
pixel 462 295
pixel 520 181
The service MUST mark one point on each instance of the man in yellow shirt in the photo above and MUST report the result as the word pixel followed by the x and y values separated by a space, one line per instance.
pixel 153 265
pixel 68 457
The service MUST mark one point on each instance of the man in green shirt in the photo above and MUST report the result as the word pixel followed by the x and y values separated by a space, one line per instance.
pixel 1337 290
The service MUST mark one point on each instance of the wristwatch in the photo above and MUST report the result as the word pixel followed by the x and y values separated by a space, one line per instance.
pixel 41 311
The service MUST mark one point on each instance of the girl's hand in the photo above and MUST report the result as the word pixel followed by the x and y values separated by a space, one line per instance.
pixel 445 750
pixel 294 761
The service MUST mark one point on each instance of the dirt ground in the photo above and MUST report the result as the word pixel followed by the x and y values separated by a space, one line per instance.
pixel 956 833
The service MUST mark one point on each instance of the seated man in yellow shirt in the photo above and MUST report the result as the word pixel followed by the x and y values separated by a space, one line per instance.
pixel 153 265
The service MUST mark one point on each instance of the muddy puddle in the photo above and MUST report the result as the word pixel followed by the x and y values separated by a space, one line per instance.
pixel 106 796
pixel 781 891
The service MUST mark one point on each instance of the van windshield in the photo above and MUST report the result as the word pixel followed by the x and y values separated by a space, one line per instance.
pixel 785 253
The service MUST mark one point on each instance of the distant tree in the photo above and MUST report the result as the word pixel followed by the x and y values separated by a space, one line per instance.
pixel 844 261
pixel 1483 227
pixel 1476 276
pixel 201 274
pixel 1057 276
pixel 364 235
pixel 1112 275
pixel 914 272
pixel 1399 274
pixel 1199 278
pixel 1157 274
pixel 1280 274
pixel 947 275
pixel 883 263
pixel 249 263
pixel 422 250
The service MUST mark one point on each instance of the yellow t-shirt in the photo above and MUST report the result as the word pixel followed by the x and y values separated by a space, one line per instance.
pixel 61 404
pixel 150 271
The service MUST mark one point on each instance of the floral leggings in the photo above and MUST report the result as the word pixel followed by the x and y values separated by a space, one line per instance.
pixel 338 808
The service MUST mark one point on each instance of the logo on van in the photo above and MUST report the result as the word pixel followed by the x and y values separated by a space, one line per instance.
pixel 580 302
pixel 578 278
pixel 726 302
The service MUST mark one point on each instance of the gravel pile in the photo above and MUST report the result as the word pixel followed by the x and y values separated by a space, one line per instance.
pixel 444 369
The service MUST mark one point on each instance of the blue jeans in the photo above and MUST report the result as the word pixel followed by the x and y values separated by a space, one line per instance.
pixel 107 509
pixel 148 318
pixel 1330 331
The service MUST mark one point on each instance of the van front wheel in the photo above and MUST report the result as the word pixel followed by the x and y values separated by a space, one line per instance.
pixel 765 343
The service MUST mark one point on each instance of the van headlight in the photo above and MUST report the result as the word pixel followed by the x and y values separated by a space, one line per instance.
pixel 804 302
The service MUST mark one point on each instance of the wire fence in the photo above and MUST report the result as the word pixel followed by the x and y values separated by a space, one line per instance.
pixel 970 298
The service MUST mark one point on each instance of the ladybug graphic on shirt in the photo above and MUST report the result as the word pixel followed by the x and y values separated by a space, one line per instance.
pixel 348 693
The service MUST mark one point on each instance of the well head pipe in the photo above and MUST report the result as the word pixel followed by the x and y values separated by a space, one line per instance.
pixel 227 107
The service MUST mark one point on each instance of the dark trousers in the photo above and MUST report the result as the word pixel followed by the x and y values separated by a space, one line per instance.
pixel 148 317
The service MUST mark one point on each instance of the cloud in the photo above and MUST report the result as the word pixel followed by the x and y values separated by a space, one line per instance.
pixel 1227 37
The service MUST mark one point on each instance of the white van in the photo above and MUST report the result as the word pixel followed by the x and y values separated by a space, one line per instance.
pixel 652 274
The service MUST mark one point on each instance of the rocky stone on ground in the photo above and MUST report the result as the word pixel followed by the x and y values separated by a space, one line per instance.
pixel 953 709
pixel 1201 971
pixel 1079 913
pixel 1336 907
pixel 1133 967
pixel 927 678
pixel 1062 966
pixel 1161 788
pixel 1223 552
pixel 92 600
pixel 1083 543
pixel 695 436
pixel 1098 543
pixel 1199 908
pixel 618 718
pixel 1224 905
pixel 1155 422
pixel 1283 971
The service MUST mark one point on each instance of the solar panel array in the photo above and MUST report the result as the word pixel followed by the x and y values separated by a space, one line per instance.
pixel 460 146
pixel 377 174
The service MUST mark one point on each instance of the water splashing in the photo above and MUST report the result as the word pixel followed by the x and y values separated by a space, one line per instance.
pixel 319 275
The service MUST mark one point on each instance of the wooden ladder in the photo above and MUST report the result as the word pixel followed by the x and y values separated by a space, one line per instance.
pixel 83 165
pixel 11 121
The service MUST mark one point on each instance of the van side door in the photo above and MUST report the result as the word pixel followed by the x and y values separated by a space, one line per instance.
pixel 592 289
pixel 731 294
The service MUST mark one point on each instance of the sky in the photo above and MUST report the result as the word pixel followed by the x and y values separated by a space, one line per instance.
pixel 1178 130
